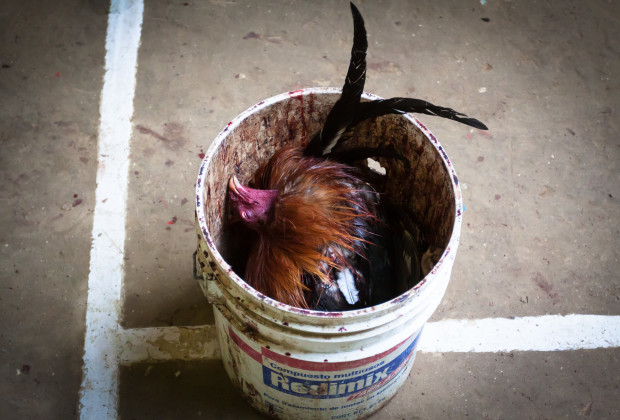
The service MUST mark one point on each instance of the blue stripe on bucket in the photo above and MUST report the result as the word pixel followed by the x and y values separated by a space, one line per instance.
pixel 322 385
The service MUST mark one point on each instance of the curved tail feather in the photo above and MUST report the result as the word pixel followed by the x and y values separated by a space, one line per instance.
pixel 345 109
pixel 399 105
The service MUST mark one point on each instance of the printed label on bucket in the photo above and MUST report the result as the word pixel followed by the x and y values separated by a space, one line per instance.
pixel 344 389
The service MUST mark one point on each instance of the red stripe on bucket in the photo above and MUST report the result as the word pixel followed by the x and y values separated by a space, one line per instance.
pixel 326 366
pixel 307 365
pixel 245 347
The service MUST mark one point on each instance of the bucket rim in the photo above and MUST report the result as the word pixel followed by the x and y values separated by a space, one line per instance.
pixel 224 267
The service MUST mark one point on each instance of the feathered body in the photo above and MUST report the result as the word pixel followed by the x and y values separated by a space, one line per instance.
pixel 326 240
pixel 323 217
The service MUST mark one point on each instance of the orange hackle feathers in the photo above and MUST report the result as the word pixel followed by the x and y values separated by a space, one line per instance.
pixel 321 213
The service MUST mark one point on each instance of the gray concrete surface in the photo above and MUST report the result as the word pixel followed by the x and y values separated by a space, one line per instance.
pixel 50 80
pixel 540 232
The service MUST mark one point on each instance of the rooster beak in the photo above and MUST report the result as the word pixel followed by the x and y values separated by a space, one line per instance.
pixel 235 186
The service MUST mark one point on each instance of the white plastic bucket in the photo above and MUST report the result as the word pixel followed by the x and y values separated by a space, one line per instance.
pixel 303 364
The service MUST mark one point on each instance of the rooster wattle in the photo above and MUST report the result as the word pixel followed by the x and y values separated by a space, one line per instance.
pixel 326 238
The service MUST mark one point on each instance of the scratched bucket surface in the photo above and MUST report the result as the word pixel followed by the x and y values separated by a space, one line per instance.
pixel 302 364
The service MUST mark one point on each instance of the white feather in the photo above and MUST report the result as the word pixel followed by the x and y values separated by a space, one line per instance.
pixel 346 283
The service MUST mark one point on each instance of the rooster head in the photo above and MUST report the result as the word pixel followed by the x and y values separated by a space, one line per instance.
pixel 253 207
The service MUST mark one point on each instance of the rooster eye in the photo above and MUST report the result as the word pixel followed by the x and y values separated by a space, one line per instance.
pixel 246 214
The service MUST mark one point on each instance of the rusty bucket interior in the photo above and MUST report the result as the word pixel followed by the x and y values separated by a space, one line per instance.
pixel 423 186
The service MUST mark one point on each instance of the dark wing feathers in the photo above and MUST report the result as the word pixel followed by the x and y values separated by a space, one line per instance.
pixel 353 155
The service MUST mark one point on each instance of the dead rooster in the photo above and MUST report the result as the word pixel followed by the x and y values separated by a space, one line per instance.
pixel 326 240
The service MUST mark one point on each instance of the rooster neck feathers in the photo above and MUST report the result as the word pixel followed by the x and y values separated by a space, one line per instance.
pixel 321 216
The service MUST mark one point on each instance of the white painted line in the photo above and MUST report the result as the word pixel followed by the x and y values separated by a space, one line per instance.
pixel 537 333
pixel 99 390
pixel 491 335
pixel 168 343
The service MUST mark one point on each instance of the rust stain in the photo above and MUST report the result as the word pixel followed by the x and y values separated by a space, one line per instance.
pixel 547 287
pixel 172 138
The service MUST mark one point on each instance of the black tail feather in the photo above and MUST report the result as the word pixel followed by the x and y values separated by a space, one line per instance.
pixel 348 111
pixel 345 109
pixel 398 105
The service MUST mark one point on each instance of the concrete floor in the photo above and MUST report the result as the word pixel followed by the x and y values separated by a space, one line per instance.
pixel 541 187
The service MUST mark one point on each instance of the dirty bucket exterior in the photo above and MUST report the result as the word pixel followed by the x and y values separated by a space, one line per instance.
pixel 293 363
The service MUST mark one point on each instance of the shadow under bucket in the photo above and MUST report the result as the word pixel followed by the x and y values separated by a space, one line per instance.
pixel 303 364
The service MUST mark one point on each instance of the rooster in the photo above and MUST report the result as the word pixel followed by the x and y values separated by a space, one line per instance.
pixel 326 239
